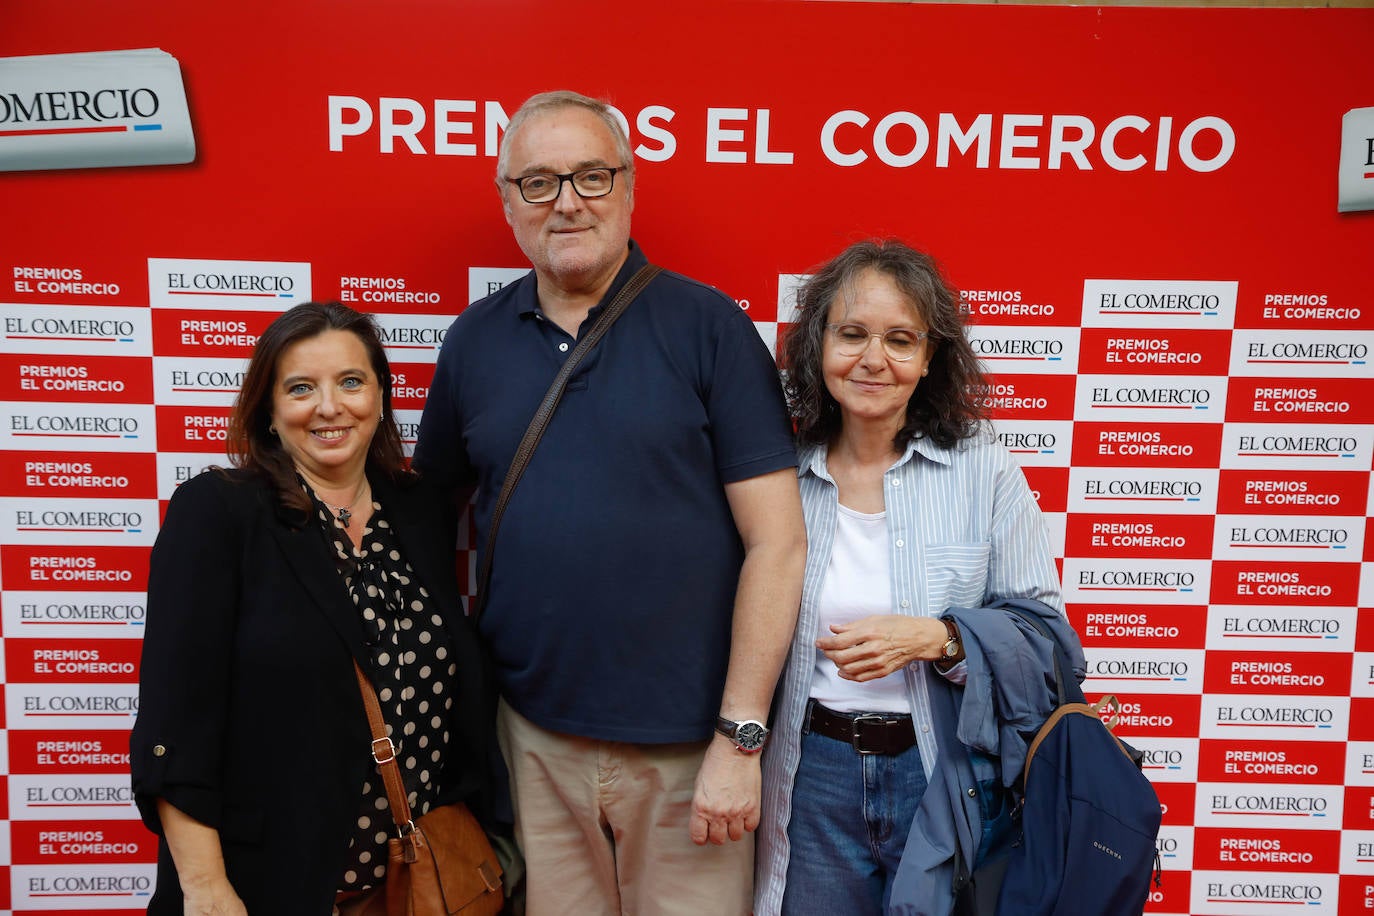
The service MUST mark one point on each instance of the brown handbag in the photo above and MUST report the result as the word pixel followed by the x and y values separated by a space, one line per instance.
pixel 441 864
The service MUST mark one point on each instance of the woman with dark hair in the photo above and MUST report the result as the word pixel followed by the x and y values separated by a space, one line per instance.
pixel 251 753
pixel 914 515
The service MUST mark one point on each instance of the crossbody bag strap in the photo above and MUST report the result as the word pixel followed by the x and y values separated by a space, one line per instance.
pixel 544 414
pixel 384 753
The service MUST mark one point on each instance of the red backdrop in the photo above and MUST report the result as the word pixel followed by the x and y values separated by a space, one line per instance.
pixel 1140 203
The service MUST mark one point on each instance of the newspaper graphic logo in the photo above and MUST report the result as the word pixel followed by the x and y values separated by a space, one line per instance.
pixel 73 706
pixel 1138 670
pixel 175 468
pixel 1281 717
pixel 1261 806
pixel 220 284
pixel 180 380
pixel 1356 176
pixel 81 886
pixel 1297 446
pixel 62 615
pixel 1186 491
pixel 1150 399
pixel 77 427
pixel 74 330
pixel 1302 538
pixel 78 521
pixel 1247 892
pixel 93 110
pixel 1192 304
pixel 1261 628
pixel 413 338
pixel 483 281
pixel 1169 759
pixel 1039 443
pixel 1305 354
pixel 1108 580
pixel 1029 350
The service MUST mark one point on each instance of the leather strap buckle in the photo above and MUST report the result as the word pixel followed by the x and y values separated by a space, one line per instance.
pixel 386 748
pixel 856 739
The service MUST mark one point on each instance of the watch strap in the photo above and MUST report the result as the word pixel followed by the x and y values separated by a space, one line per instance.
pixel 731 729
pixel 952 638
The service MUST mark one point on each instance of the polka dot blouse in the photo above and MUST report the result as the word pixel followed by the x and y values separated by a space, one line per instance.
pixel 413 671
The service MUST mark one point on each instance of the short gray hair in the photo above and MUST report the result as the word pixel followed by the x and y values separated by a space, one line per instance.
pixel 555 100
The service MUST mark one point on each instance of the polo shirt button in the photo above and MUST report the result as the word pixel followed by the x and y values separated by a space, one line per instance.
pixel 906 602
pixel 563 347
pixel 901 543
pixel 896 481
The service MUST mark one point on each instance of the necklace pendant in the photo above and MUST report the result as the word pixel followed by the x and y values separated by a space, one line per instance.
pixel 344 515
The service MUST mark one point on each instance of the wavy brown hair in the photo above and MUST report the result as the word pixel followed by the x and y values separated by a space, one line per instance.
pixel 251 444
pixel 945 406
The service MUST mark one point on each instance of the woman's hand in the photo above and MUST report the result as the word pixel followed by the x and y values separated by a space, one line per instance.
pixel 199 860
pixel 876 646
pixel 213 899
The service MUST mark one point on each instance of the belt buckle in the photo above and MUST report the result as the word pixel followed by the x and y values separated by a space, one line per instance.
pixel 854 730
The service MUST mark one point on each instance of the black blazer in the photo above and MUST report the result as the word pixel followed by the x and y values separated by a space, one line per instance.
pixel 249 717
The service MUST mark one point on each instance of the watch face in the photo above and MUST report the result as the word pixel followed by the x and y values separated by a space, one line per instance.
pixel 750 736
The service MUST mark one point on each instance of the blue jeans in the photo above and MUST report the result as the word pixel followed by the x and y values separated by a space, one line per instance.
pixel 850 817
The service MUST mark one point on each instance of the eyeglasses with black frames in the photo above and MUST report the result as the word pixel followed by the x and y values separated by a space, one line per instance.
pixel 542 187
pixel 900 344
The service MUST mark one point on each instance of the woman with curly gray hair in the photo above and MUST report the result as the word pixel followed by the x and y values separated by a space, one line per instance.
pixel 912 508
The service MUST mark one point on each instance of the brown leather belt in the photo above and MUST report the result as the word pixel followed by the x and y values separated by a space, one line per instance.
pixel 868 732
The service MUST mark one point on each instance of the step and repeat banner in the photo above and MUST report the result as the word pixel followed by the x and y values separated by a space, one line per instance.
pixel 1161 221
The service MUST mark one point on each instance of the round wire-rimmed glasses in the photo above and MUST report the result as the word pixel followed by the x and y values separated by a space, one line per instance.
pixel 900 344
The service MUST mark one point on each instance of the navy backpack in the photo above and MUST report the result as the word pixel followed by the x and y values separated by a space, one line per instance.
pixel 1088 818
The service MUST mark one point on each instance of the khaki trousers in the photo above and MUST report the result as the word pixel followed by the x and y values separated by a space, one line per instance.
pixel 604 828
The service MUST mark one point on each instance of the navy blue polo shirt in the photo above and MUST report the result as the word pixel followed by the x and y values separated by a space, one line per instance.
pixel 614 579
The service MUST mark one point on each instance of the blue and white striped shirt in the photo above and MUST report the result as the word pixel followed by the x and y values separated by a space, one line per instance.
pixel 963 531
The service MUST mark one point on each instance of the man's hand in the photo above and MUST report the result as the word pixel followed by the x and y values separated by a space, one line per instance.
pixel 729 789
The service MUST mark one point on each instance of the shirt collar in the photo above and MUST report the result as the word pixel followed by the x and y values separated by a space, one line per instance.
pixel 812 458
pixel 527 293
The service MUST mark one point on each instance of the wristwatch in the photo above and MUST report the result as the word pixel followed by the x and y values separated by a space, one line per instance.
pixel 749 735
pixel 953 650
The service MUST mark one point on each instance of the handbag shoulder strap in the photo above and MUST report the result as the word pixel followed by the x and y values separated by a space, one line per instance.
pixel 384 753
pixel 544 414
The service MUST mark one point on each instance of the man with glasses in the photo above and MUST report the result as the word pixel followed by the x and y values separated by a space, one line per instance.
pixel 649 565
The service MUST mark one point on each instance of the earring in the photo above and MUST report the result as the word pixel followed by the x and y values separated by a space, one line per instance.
pixel 272 430
pixel 925 371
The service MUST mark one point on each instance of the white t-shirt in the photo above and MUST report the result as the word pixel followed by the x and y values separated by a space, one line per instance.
pixel 858 583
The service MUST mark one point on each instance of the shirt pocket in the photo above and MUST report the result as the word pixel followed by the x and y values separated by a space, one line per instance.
pixel 956 575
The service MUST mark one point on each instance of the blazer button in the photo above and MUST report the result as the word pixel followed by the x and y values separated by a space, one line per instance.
pixel 159 750
pixel 972 793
